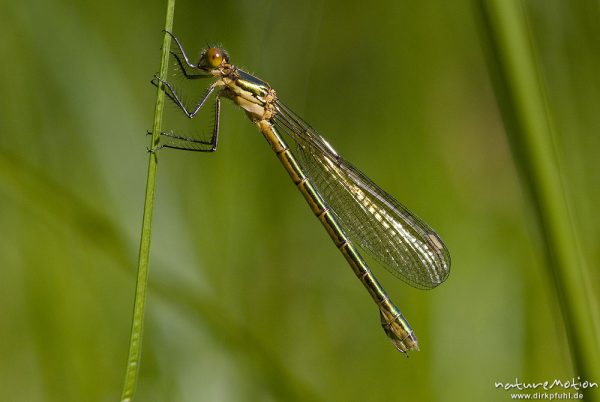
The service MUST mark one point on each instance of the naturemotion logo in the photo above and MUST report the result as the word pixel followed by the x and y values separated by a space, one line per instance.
pixel 570 384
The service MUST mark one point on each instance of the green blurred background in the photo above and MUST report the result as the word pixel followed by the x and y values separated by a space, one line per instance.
pixel 248 299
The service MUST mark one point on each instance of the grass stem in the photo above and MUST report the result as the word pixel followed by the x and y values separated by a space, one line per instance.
pixel 519 83
pixel 137 326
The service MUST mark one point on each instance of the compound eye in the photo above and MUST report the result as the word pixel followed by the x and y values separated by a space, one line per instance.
pixel 215 56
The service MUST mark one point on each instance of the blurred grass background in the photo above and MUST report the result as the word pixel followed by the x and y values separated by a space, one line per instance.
pixel 248 299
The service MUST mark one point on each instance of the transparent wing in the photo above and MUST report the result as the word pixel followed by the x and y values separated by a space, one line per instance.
pixel 372 218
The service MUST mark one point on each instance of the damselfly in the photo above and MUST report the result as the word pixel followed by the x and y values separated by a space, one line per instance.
pixel 355 211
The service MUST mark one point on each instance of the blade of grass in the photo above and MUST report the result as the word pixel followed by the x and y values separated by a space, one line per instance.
pixel 137 326
pixel 522 97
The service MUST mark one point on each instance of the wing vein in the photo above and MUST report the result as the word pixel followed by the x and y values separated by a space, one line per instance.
pixel 374 220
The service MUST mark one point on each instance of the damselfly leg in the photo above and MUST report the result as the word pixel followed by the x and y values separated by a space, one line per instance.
pixel 189 143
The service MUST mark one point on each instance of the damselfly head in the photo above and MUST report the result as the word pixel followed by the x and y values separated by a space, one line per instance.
pixel 212 58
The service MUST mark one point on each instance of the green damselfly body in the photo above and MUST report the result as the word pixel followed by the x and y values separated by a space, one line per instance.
pixel 356 212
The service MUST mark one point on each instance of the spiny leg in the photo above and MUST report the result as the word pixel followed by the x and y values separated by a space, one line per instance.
pixel 177 141
pixel 184 70
pixel 175 98
pixel 187 60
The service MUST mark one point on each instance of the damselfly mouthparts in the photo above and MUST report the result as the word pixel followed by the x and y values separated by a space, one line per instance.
pixel 355 211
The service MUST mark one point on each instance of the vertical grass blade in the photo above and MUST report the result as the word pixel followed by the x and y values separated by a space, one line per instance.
pixel 137 326
pixel 528 120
